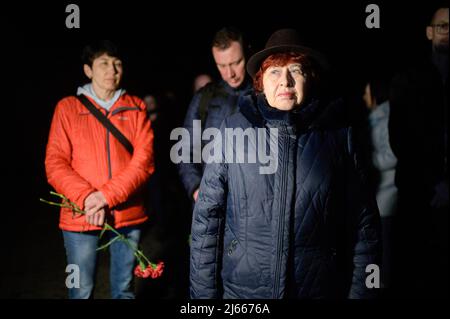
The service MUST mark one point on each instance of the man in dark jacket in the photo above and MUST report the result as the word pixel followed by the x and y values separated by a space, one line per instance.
pixel 307 229
pixel 214 102
pixel 418 131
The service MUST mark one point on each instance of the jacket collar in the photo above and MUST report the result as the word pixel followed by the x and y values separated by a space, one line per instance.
pixel 243 89
pixel 315 114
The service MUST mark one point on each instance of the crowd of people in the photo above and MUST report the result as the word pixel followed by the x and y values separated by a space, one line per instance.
pixel 335 206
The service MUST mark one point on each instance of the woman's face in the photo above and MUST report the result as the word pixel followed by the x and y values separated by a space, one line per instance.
pixel 284 86
pixel 106 72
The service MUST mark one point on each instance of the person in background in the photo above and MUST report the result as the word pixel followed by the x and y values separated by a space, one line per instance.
pixel 215 101
pixel 384 162
pixel 201 80
pixel 152 107
pixel 418 127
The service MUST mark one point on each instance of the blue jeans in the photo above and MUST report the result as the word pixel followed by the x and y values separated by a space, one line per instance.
pixel 81 251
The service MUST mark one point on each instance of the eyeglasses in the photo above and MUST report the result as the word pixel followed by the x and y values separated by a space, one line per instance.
pixel 441 28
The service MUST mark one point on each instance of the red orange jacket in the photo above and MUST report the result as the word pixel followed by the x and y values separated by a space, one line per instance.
pixel 82 157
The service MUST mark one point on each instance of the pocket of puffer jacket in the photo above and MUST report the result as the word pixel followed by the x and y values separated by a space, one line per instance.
pixel 233 263
pixel 232 253
pixel 237 265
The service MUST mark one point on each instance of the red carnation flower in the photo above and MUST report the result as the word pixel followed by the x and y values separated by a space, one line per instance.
pixel 152 270
pixel 157 272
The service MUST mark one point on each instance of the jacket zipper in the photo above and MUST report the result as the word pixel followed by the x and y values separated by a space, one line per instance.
pixel 282 205
pixel 108 149
pixel 108 156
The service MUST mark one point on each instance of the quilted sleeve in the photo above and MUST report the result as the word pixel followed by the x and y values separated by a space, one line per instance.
pixel 364 223
pixel 206 232
pixel 60 174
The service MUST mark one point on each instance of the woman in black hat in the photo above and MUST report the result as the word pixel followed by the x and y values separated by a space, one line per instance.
pixel 306 229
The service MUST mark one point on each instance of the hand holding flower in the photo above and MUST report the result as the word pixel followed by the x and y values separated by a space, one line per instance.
pixel 95 212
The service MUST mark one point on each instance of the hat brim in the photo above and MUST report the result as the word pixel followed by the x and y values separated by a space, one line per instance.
pixel 256 59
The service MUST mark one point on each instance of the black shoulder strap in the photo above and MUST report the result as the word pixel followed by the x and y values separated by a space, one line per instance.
pixel 210 91
pixel 207 95
pixel 106 123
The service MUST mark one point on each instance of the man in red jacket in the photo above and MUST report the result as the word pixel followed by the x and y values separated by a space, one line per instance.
pixel 89 165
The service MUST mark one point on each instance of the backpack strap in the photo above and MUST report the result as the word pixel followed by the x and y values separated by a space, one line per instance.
pixel 209 92
pixel 106 123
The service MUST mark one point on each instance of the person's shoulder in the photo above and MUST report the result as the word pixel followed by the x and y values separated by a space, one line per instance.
pixel 332 114
pixel 129 100
pixel 210 88
pixel 68 103
pixel 236 119
pixel 246 115
pixel 205 94
pixel 207 90
pixel 68 100
pixel 216 89
pixel 413 71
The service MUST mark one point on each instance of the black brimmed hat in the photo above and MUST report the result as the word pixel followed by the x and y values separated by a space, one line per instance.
pixel 284 40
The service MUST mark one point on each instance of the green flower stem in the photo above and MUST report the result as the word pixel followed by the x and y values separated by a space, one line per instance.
pixel 54 204
pixel 137 252
pixel 74 207
pixel 143 256
pixel 108 244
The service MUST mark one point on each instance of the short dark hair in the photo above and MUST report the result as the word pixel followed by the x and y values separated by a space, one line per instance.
pixel 223 38
pixel 95 49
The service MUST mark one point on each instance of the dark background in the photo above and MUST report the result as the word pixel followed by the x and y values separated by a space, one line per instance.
pixel 166 45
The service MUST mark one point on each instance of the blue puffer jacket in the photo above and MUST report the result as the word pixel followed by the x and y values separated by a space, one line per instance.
pixel 306 231
pixel 223 103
